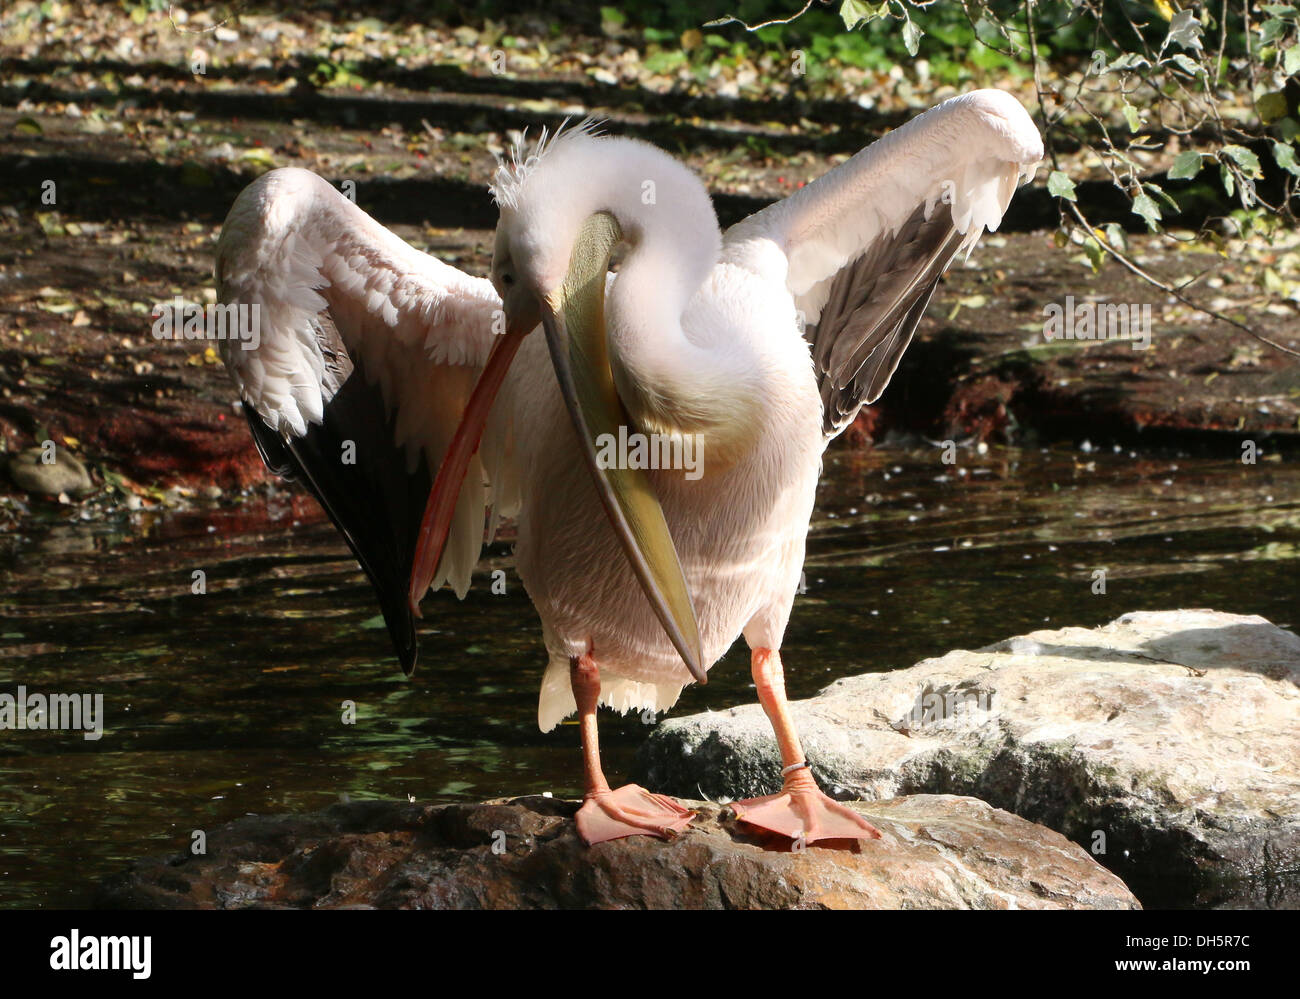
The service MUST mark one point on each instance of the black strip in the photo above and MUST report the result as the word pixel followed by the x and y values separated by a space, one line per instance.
pixel 375 503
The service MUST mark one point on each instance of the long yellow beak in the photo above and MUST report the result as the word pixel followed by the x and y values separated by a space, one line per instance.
pixel 575 333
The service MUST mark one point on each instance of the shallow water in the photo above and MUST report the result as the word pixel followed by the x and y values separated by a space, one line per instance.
pixel 230 702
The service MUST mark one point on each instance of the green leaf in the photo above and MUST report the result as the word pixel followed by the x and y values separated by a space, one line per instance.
pixel 1116 236
pixel 1188 65
pixel 1289 129
pixel 1186 166
pixel 1285 156
pixel 28 126
pixel 1291 60
pixel 855 12
pixel 1145 206
pixel 1060 186
pixel 1159 192
pixel 1185 31
pixel 1229 184
pixel 912 37
pixel 1131 116
pixel 1272 31
pixel 1096 255
pixel 1244 158
pixel 986 30
pixel 1271 106
pixel 51 226
pixel 1129 60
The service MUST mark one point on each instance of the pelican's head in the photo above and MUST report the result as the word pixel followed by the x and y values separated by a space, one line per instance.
pixel 548 194
pixel 521 292
pixel 559 226
pixel 540 218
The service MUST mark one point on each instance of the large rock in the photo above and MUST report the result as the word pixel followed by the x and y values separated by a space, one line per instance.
pixel 1169 740
pixel 935 852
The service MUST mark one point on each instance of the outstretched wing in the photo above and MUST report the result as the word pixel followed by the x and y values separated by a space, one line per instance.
pixel 867 243
pixel 364 355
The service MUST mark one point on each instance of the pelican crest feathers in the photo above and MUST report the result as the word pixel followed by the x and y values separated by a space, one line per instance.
pixel 513 168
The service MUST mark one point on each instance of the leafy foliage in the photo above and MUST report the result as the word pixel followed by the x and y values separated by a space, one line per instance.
pixel 1127 88
pixel 1127 83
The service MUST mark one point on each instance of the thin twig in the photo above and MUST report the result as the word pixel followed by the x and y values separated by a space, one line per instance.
pixel 730 19
pixel 1124 259
pixel 1169 289
pixel 235 10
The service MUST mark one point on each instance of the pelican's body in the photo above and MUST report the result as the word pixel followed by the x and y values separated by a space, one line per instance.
pixel 756 346
pixel 739 529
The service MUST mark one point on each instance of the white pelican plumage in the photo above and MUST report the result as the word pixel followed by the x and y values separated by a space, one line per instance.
pixel 758 345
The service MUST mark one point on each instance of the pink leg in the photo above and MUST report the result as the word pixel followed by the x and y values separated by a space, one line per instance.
pixel 800 810
pixel 630 810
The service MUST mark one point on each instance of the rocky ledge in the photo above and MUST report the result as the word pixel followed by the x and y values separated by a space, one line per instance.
pixel 936 852
pixel 1168 744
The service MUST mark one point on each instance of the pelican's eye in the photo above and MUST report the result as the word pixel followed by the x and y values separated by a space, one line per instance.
pixel 507 279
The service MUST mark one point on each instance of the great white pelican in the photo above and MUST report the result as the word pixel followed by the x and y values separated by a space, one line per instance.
pixel 659 441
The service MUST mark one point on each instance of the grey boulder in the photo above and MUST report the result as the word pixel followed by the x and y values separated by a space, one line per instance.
pixel 1167 744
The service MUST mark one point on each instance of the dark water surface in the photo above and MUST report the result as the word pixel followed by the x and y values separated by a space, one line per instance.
pixel 229 702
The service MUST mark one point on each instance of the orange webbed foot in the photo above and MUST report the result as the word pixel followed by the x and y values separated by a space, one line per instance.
pixel 802 813
pixel 630 810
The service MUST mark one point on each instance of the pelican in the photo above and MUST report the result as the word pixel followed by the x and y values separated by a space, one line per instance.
pixel 418 407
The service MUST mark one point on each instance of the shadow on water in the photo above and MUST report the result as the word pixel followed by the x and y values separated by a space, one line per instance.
pixel 231 702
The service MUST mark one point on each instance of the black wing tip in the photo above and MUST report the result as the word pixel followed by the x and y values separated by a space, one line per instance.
pixel 408 652
pixel 401 627
pixel 351 495
pixel 270 448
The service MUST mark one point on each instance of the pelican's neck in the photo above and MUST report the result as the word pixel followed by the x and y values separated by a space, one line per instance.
pixel 667 376
pixel 673 370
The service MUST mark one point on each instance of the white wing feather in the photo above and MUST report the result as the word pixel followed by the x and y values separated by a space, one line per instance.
pixel 970 151
pixel 862 249
pixel 298 248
